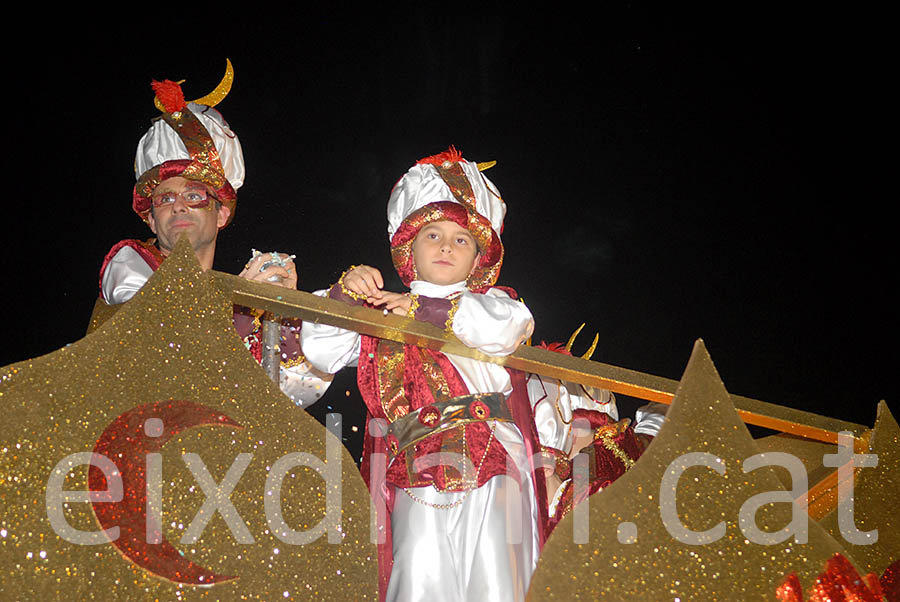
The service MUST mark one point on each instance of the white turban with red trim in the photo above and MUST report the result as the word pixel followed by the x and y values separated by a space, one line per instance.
pixel 447 187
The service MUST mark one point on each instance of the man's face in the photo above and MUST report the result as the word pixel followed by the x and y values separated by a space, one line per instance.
pixel 182 206
pixel 444 253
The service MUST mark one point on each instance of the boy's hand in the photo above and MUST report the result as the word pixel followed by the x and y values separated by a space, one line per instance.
pixel 395 302
pixel 364 280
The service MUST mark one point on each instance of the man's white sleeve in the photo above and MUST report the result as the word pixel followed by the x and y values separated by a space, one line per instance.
pixel 125 274
pixel 329 348
pixel 304 384
pixel 554 403
pixel 648 419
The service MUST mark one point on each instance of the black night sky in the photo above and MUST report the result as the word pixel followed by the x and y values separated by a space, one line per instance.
pixel 670 174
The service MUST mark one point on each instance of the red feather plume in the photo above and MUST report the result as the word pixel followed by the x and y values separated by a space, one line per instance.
pixel 451 154
pixel 169 94
pixel 557 347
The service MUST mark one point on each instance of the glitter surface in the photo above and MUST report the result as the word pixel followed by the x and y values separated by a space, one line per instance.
pixel 127 441
pixel 657 566
pixel 876 493
pixel 175 341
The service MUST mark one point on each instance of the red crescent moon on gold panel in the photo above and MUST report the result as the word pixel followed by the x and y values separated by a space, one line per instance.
pixel 126 443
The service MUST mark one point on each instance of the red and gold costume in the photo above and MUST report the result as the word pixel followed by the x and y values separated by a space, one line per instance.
pixel 193 141
pixel 471 529
pixel 562 410
pixel 450 440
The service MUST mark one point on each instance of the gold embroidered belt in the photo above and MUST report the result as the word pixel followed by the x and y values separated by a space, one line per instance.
pixel 415 426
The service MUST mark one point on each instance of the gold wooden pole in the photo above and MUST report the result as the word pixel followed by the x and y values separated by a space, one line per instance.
pixel 308 307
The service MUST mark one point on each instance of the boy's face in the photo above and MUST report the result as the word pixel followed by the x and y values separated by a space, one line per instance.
pixel 444 253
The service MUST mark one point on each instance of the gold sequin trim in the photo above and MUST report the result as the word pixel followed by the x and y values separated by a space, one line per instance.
pixel 437 382
pixel 451 313
pixel 390 380
pixel 606 434
pixel 291 363
pixel 413 306
pixel 455 178
pixel 257 315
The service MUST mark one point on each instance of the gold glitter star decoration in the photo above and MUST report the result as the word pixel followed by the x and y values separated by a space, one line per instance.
pixel 153 460
pixel 692 521
pixel 875 494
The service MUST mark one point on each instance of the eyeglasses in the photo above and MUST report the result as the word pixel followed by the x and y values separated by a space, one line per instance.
pixel 195 198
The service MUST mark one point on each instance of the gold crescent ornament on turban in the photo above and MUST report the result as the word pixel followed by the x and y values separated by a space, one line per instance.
pixel 214 97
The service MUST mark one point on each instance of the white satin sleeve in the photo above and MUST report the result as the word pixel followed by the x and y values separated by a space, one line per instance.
pixel 125 274
pixel 550 419
pixel 648 419
pixel 329 348
pixel 304 383
pixel 493 322
pixel 554 403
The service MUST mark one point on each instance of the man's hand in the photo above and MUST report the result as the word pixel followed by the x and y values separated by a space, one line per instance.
pixel 395 302
pixel 551 485
pixel 582 439
pixel 271 268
